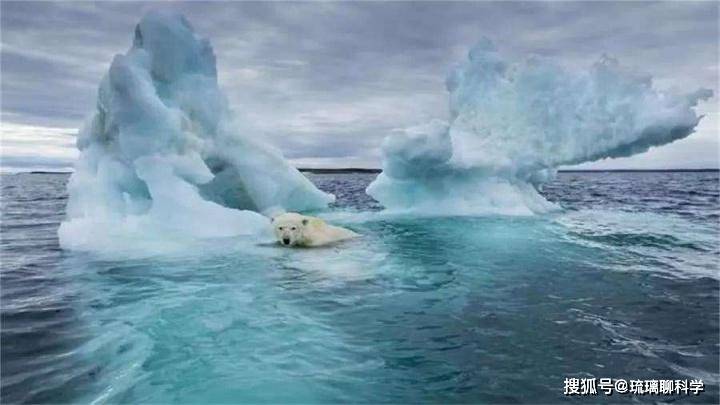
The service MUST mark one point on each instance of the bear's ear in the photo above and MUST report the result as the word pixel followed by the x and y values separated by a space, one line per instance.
pixel 305 221
pixel 272 219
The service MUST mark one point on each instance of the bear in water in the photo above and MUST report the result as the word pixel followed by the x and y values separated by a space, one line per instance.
pixel 292 229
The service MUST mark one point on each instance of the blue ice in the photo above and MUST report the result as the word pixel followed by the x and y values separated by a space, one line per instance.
pixel 164 157
pixel 513 123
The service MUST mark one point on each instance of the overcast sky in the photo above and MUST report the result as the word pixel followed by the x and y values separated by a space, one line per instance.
pixel 325 82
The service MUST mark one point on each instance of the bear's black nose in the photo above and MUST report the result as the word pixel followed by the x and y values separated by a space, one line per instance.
pixel 286 241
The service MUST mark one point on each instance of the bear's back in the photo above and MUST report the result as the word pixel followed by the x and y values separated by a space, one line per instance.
pixel 321 233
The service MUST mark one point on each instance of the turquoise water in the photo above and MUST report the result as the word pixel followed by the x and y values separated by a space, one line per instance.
pixel 623 283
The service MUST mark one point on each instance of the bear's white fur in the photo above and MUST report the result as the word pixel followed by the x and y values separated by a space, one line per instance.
pixel 292 229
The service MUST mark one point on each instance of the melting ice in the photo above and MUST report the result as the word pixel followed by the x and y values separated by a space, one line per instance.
pixel 163 154
pixel 512 124
pixel 163 157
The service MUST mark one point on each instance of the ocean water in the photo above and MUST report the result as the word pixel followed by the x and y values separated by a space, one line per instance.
pixel 623 283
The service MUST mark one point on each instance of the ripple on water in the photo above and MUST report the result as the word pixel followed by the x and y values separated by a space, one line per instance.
pixel 619 285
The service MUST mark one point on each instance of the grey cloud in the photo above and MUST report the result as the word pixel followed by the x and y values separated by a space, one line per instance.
pixel 380 65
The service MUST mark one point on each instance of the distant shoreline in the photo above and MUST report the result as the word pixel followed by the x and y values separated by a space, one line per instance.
pixel 359 170
pixel 638 170
pixel 362 170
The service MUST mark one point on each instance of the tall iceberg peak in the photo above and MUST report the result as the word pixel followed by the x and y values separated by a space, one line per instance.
pixel 512 124
pixel 163 152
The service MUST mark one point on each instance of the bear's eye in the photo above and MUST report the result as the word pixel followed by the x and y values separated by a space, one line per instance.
pixel 280 228
pixel 294 228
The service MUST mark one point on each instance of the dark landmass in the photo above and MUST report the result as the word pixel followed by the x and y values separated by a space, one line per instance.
pixel 358 170
pixel 47 172
pixel 343 170
pixel 364 170
pixel 639 171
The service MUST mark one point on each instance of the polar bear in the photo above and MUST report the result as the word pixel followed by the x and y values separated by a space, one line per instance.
pixel 292 229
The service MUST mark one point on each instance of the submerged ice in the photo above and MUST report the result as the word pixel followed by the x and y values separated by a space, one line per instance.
pixel 163 153
pixel 512 124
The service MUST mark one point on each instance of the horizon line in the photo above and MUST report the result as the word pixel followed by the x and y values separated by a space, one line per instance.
pixel 321 170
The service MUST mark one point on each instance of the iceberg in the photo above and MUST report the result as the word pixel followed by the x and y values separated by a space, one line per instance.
pixel 163 153
pixel 513 123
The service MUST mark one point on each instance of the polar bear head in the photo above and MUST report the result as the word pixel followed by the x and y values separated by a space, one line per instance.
pixel 290 228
